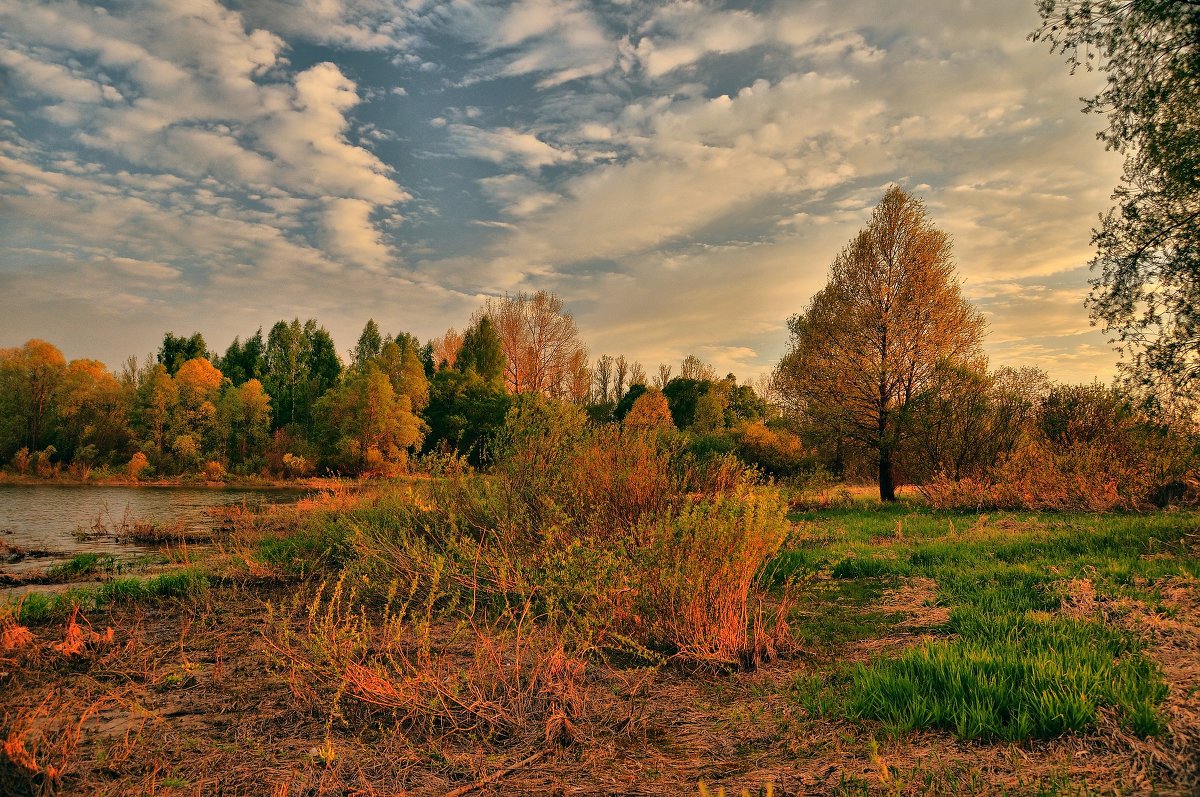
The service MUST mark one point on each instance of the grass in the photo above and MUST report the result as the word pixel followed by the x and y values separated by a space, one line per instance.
pixel 43 607
pixel 1009 664
pixel 82 565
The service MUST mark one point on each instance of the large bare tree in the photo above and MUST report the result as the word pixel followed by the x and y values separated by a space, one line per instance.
pixel 871 341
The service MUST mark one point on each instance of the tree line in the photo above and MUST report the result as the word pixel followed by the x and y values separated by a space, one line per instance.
pixel 286 404
pixel 884 378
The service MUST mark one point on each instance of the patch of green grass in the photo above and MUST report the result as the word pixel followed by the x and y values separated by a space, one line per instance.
pixel 1010 666
pixel 40 607
pixel 834 613
pixel 82 564
pixel 1014 676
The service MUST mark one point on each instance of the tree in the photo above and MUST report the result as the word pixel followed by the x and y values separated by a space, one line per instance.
pixel 29 380
pixel 154 407
pixel 482 351
pixel 93 412
pixel 620 374
pixel 542 350
pixel 400 360
pixel 198 389
pixel 1147 247
pixel 649 410
pixel 176 350
pixel 300 365
pixel 871 341
pixel 243 361
pixel 286 372
pixel 370 344
pixel 366 422
pixel 245 413
pixel 444 349
pixel 602 376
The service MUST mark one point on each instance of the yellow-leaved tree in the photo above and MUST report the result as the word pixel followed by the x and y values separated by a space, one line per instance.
pixel 872 340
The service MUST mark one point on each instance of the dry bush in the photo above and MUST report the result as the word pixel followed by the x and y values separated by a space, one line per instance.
pixel 616 535
pixel 1039 476
pixel 14 637
pixel 38 749
pixel 696 589
pixel 79 639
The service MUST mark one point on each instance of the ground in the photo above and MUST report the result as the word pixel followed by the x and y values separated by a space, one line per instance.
pixel 202 693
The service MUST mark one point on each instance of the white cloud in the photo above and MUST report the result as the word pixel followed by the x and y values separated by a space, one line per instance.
pixel 681 33
pixel 350 234
pixel 505 145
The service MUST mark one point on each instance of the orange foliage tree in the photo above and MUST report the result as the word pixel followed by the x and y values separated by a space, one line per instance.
pixel 542 349
pixel 871 341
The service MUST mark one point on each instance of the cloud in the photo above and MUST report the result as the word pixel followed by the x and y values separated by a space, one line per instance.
pixel 681 33
pixel 350 234
pixel 557 41
pixel 355 24
pixel 504 145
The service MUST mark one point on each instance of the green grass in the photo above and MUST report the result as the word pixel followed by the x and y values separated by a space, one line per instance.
pixel 1008 665
pixel 81 565
pixel 41 607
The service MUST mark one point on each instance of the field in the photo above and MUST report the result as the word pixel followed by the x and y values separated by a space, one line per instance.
pixel 920 652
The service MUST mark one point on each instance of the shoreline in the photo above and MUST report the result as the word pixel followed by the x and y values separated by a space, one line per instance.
pixel 233 483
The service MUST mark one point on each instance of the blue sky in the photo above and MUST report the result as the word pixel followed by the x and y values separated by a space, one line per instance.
pixel 681 174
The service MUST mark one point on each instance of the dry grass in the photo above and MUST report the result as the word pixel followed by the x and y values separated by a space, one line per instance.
pixel 199 694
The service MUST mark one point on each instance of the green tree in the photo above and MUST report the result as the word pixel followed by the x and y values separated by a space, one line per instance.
pixel 464 412
pixel 369 346
pixel 198 389
pixel 1147 247
pixel 871 341
pixel 245 413
pixel 287 372
pixel 400 359
pixel 176 350
pixel 243 361
pixel 367 425
pixel 482 351
pixel 93 412
pixel 154 409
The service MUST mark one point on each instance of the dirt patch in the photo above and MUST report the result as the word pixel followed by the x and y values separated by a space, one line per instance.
pixel 917 598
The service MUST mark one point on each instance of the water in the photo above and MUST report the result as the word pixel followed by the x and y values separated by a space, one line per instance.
pixel 52 517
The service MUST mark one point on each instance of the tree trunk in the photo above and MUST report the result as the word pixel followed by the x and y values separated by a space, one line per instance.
pixel 887 480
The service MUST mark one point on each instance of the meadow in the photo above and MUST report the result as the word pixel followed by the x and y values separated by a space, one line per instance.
pixel 422 639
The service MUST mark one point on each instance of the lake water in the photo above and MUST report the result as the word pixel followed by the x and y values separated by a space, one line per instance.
pixel 57 518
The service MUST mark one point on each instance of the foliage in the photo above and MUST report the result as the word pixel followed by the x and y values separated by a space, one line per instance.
pixel 176 350
pixel 542 350
pixel 615 532
pixel 29 380
pixel 1084 447
pixel 873 339
pixel 366 426
pixel 1148 246
pixel 648 410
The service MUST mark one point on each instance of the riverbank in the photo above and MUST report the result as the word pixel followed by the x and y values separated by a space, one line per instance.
pixel 8 479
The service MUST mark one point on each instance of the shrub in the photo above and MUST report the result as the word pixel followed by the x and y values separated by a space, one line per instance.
pixel 137 466
pixel 617 534
pixel 213 471
pixel 21 460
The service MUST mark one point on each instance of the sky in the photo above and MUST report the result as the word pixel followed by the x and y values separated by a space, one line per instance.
pixel 681 174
